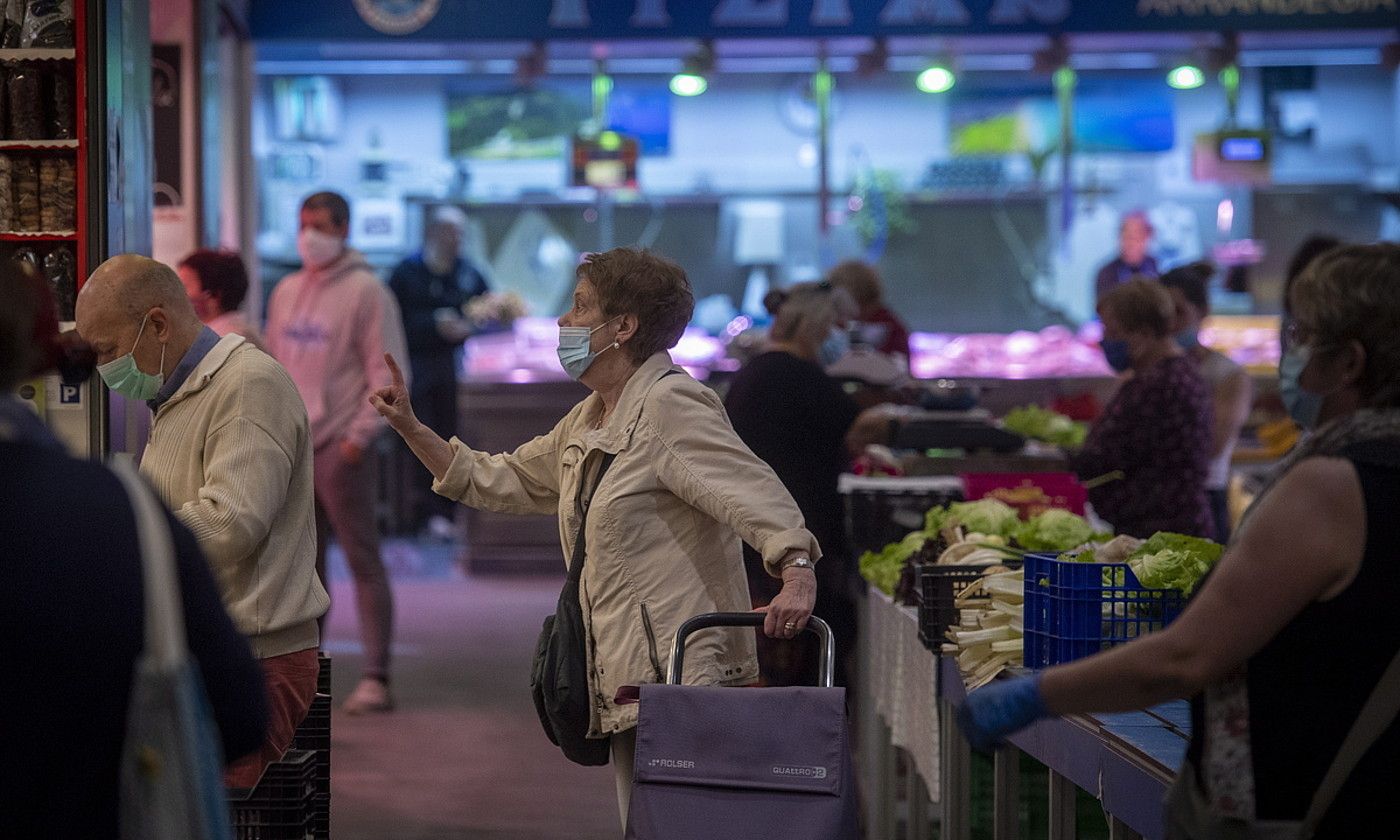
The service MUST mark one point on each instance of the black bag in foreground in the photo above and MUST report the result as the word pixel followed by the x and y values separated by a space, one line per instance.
pixel 559 678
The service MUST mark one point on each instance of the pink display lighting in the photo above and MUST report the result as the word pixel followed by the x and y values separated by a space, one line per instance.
pixel 1059 352
pixel 528 353
pixel 696 348
pixel 1050 353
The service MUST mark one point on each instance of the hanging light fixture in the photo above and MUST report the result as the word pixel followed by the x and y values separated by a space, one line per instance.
pixel 692 80
pixel 1186 77
pixel 875 60
pixel 936 78
pixel 1390 56
pixel 688 84
pixel 532 64
pixel 1051 58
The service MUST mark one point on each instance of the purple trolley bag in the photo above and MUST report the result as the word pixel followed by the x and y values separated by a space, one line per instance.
pixel 739 763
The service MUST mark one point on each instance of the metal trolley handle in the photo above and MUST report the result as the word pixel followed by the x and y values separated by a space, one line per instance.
pixel 750 619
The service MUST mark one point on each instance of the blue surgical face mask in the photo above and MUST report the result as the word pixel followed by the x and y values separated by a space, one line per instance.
pixel 1303 406
pixel 576 348
pixel 1188 340
pixel 835 347
pixel 1117 354
pixel 124 377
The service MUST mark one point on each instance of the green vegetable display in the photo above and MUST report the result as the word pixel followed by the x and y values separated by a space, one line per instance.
pixel 1055 530
pixel 984 516
pixel 986 524
pixel 1174 561
pixel 882 568
pixel 1038 423
pixel 1166 561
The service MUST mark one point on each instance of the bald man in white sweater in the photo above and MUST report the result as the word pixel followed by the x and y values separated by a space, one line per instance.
pixel 230 452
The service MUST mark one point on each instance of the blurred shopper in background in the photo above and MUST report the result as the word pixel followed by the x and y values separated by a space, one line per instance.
pixel 330 325
pixel 1312 248
pixel 861 281
pixel 1133 260
pixel 431 287
pixel 217 283
pixel 230 452
pixel 1151 448
pixel 798 419
pixel 665 521
pixel 1232 391
pixel 1284 643
pixel 72 609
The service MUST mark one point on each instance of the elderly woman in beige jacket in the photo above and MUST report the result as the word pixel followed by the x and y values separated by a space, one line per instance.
pixel 663 537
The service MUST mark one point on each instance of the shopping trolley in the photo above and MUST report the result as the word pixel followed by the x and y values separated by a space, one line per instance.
pixel 736 763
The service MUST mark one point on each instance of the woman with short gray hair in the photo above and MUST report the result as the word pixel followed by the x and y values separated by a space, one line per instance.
pixel 665 523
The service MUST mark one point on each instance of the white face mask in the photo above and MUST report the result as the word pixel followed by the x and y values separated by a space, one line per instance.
pixel 318 249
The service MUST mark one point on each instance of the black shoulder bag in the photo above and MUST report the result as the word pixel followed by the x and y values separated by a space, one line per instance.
pixel 559 677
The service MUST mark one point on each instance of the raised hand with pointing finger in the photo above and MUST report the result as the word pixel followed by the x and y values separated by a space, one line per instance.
pixel 393 402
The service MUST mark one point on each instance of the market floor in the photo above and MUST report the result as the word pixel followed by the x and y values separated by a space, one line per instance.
pixel 463 756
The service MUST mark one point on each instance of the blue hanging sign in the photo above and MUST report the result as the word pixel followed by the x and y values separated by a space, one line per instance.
pixel 508 20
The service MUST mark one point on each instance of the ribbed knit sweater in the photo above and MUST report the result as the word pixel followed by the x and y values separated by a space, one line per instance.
pixel 230 453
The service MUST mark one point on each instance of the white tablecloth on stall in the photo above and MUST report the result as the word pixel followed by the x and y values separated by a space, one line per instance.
pixel 902 674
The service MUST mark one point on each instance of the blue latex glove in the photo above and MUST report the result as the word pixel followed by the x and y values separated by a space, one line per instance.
pixel 997 710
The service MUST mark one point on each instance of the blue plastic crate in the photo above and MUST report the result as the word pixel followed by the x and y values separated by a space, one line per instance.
pixel 1074 610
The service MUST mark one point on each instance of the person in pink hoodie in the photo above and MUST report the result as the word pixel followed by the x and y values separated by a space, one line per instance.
pixel 330 325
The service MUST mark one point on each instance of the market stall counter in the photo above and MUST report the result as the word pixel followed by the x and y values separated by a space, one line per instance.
pixel 911 697
pixel 1126 760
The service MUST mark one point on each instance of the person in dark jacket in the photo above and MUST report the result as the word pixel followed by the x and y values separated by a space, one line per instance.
pixel 1133 260
pixel 71 613
pixel 432 286
pixel 795 417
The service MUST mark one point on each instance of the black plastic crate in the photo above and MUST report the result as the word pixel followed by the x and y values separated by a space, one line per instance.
pixel 318 716
pixel 279 807
pixel 880 512
pixel 314 734
pixel 312 740
pixel 272 823
pixel 290 780
pixel 939 589
pixel 321 817
pixel 323 678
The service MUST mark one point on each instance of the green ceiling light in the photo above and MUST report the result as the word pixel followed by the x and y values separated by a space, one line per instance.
pixel 1230 77
pixel 602 85
pixel 1065 78
pixel 1186 77
pixel 936 78
pixel 688 84
pixel 696 69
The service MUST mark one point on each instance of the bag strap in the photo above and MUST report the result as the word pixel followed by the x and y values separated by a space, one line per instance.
pixel 583 503
pixel 1376 716
pixel 164 615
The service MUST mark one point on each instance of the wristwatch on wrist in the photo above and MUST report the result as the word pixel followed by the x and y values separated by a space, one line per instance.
pixel 801 561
